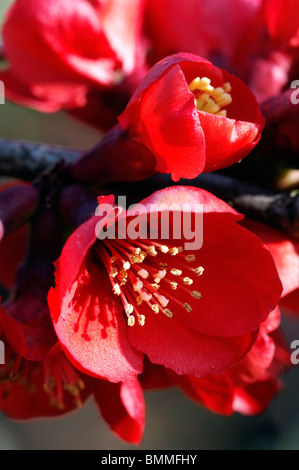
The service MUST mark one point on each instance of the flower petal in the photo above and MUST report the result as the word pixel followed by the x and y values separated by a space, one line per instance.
pixel 91 329
pixel 122 406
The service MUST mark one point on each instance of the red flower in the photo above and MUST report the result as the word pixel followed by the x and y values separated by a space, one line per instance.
pixel 257 39
pixel 192 116
pixel 211 29
pixel 68 49
pixel 195 312
pixel 247 388
pixel 282 19
pixel 53 387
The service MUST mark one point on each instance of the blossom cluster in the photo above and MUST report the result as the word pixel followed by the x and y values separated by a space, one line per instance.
pixel 174 88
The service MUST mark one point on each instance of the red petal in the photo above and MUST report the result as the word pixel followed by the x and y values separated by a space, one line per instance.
pixel 170 126
pixel 253 399
pixel 283 248
pixel 90 326
pixel 291 301
pixel 185 351
pixel 122 406
pixel 240 284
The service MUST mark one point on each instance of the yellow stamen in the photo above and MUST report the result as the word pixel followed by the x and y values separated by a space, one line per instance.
pixel 155 308
pixel 196 294
pixel 190 258
pixel 187 307
pixel 168 313
pixel 176 272
pixel 209 99
pixel 199 271
pixel 131 320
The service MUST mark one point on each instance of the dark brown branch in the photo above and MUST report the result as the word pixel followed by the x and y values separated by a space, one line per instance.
pixel 27 160
pixel 277 209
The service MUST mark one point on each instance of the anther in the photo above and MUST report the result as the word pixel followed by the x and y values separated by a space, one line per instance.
pixel 209 99
pixel 176 272
pixel 131 320
pixel 155 308
pixel 116 289
pixel 199 271
pixel 151 250
pixel 168 313
pixel 187 307
pixel 190 258
pixel 187 281
pixel 141 320
pixel 129 309
pixel 196 294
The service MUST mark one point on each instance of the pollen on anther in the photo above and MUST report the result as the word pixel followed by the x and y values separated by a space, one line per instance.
pixel 151 250
pixel 196 294
pixel 129 309
pixel 131 320
pixel 164 249
pixel 199 271
pixel 155 286
pixel 114 272
pixel 187 281
pixel 116 289
pixel 155 308
pixel 190 258
pixel 168 313
pixel 209 99
pixel 163 265
pixel 187 307
pixel 141 320
pixel 176 272
pixel 126 266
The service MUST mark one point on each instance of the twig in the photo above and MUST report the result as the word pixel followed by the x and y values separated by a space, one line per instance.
pixel 27 160
pixel 277 209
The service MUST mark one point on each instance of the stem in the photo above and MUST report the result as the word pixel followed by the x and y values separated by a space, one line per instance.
pixel 27 160
pixel 277 209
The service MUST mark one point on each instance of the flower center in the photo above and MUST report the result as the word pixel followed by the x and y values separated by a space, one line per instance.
pixel 145 275
pixel 55 376
pixel 209 99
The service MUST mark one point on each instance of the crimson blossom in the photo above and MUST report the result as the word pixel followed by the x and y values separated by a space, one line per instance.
pixel 195 311
pixel 53 387
pixel 246 388
pixel 187 116
pixel 73 53
pixel 255 39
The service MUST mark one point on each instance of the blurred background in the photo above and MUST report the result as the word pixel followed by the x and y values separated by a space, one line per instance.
pixel 173 422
